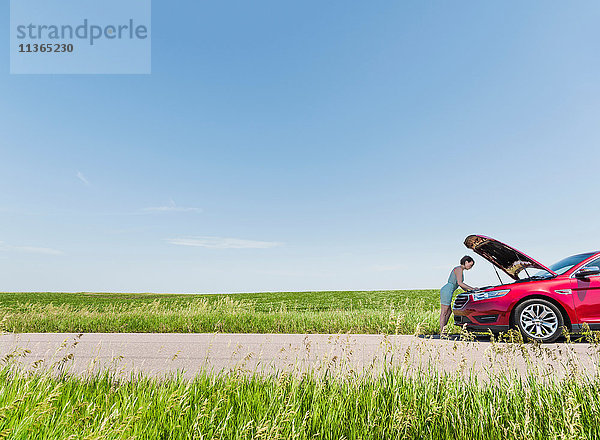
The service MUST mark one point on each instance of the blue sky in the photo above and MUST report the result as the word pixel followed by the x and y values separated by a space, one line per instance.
pixel 283 145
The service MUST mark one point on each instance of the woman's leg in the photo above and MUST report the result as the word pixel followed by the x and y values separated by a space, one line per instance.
pixel 448 315
pixel 445 313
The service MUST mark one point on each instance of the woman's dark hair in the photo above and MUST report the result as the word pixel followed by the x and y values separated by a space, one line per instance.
pixel 466 259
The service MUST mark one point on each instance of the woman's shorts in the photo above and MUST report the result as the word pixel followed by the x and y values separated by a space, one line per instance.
pixel 446 294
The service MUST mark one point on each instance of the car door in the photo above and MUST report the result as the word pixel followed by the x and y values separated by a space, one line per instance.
pixel 586 296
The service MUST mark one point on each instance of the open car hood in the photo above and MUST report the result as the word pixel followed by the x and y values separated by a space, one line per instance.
pixel 510 260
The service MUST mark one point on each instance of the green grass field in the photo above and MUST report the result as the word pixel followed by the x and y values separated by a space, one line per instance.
pixel 234 406
pixel 392 311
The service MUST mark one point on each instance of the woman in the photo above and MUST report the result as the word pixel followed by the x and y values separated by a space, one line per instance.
pixel 454 281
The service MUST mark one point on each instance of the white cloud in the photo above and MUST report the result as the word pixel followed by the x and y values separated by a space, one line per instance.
pixel 223 243
pixel 30 249
pixel 81 177
pixel 172 207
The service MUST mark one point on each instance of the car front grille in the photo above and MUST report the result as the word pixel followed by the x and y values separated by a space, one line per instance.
pixel 460 301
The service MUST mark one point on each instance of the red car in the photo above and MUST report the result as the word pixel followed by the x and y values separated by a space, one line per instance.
pixel 539 301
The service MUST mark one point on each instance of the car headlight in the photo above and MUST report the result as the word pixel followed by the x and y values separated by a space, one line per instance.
pixel 491 294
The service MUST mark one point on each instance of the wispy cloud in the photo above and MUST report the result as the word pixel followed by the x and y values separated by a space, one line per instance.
pixel 172 207
pixel 223 243
pixel 388 267
pixel 30 249
pixel 81 177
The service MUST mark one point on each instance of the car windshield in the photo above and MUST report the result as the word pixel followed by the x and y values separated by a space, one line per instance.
pixel 563 265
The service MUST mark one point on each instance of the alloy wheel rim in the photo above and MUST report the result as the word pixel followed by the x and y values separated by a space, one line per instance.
pixel 538 321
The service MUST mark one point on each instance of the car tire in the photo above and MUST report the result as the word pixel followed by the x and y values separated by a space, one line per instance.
pixel 539 320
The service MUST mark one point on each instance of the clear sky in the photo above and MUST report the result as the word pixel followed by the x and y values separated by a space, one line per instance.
pixel 286 145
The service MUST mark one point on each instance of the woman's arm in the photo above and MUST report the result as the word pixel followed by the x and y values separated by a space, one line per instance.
pixel 459 278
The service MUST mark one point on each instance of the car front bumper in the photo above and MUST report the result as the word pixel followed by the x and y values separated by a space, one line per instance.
pixel 481 316
pixel 479 327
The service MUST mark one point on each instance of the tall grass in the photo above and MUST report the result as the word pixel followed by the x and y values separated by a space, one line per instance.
pixel 235 406
pixel 222 314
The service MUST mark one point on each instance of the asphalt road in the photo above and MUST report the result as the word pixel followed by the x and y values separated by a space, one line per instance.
pixel 165 354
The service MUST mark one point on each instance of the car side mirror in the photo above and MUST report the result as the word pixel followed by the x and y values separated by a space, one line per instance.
pixel 587 272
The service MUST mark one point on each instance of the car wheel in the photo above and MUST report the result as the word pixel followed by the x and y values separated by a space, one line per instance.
pixel 539 320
